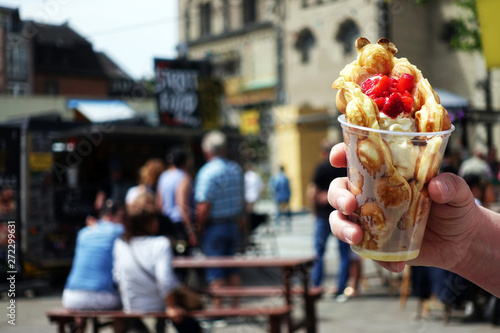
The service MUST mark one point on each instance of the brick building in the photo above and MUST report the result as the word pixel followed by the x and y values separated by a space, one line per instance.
pixel 46 59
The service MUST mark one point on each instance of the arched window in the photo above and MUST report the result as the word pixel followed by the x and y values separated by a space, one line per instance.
pixel 304 43
pixel 347 33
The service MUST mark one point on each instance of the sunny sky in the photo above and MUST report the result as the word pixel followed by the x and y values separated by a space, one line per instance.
pixel 132 33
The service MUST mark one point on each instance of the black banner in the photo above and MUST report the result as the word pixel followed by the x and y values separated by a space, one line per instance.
pixel 186 94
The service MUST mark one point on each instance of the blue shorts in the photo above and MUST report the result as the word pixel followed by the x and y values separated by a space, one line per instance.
pixel 220 240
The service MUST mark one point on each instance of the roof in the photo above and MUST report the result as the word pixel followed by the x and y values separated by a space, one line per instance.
pixel 58 35
pixel 59 49
pixel 110 68
pixel 98 111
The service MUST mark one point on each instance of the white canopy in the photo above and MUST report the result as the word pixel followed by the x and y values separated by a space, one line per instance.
pixel 450 100
pixel 98 111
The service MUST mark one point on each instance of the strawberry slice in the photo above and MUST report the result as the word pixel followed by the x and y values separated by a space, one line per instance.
pixel 394 106
pixel 407 99
pixel 376 86
pixel 380 101
pixel 405 83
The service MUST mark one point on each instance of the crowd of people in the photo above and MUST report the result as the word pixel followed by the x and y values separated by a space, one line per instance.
pixel 123 257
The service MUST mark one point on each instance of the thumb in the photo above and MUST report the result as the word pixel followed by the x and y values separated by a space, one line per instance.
pixel 451 189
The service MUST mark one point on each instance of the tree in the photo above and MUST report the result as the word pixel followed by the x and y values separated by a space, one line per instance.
pixel 462 32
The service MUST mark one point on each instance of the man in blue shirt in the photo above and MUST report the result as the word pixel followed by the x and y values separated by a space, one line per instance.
pixel 90 283
pixel 280 185
pixel 219 196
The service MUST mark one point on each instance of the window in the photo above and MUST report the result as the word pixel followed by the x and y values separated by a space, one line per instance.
pixel 205 18
pixel 187 24
pixel 226 14
pixel 346 35
pixel 17 59
pixel 17 88
pixel 304 43
pixel 249 11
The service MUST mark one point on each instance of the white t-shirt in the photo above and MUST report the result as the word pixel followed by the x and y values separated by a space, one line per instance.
pixel 137 289
pixel 253 186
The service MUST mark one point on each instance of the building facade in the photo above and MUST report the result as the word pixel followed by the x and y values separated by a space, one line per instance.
pixel 46 59
pixel 283 56
pixel 15 55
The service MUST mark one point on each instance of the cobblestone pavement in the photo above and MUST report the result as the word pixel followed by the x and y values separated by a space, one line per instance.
pixel 377 309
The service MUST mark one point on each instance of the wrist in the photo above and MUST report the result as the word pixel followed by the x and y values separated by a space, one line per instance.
pixel 476 264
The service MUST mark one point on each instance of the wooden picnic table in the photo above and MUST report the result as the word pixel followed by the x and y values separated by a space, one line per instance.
pixel 290 267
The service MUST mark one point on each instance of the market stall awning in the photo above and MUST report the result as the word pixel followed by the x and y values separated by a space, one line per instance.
pixel 98 111
pixel 452 101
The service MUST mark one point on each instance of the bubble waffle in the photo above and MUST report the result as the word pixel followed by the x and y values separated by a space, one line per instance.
pixel 391 182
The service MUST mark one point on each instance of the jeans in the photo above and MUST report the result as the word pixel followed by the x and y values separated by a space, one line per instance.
pixel 283 205
pixel 321 235
pixel 220 240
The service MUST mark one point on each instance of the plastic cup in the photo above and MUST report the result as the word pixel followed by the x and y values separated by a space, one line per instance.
pixel 388 173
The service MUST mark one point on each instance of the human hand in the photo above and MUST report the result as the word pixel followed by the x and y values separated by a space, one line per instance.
pixel 176 313
pixel 90 221
pixel 451 226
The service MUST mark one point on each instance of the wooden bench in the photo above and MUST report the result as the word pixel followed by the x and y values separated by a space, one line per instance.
pixel 74 321
pixel 314 293
pixel 263 291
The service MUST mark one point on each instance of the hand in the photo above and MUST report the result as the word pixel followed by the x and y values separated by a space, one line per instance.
pixel 90 221
pixel 451 226
pixel 175 313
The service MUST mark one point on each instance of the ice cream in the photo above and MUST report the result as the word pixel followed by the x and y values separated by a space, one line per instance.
pixel 395 131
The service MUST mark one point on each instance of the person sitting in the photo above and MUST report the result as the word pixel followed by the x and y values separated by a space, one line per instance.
pixel 143 271
pixel 89 285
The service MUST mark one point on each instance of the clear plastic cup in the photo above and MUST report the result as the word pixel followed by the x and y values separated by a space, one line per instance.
pixel 388 173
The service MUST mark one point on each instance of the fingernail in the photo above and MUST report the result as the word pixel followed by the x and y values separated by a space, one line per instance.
pixel 348 234
pixel 341 204
pixel 444 189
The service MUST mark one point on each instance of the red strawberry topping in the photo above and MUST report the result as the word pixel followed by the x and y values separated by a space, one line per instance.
pixel 391 95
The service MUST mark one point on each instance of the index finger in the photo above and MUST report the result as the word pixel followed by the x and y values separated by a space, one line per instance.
pixel 337 156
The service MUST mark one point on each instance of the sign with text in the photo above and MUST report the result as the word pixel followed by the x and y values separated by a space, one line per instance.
pixel 185 93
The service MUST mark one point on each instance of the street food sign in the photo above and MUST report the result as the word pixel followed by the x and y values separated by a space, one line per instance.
pixel 182 95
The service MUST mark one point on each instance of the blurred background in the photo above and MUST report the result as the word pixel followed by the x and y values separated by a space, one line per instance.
pixel 82 82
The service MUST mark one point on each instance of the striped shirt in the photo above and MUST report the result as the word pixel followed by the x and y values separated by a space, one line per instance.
pixel 220 182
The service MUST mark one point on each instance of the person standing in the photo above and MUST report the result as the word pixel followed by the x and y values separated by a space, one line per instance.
pixel 174 200
pixel 318 196
pixel 476 164
pixel 115 187
pixel 219 197
pixel 253 187
pixel 280 185
pixel 149 174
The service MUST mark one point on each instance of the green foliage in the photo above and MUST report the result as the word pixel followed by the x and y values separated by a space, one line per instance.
pixel 466 35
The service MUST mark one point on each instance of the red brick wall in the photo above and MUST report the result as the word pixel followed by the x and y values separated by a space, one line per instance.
pixel 72 86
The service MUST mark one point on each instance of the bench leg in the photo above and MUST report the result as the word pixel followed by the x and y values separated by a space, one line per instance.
pixel 275 324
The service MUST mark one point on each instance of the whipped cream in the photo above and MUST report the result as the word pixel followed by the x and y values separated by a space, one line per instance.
pixel 404 153
pixel 399 124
